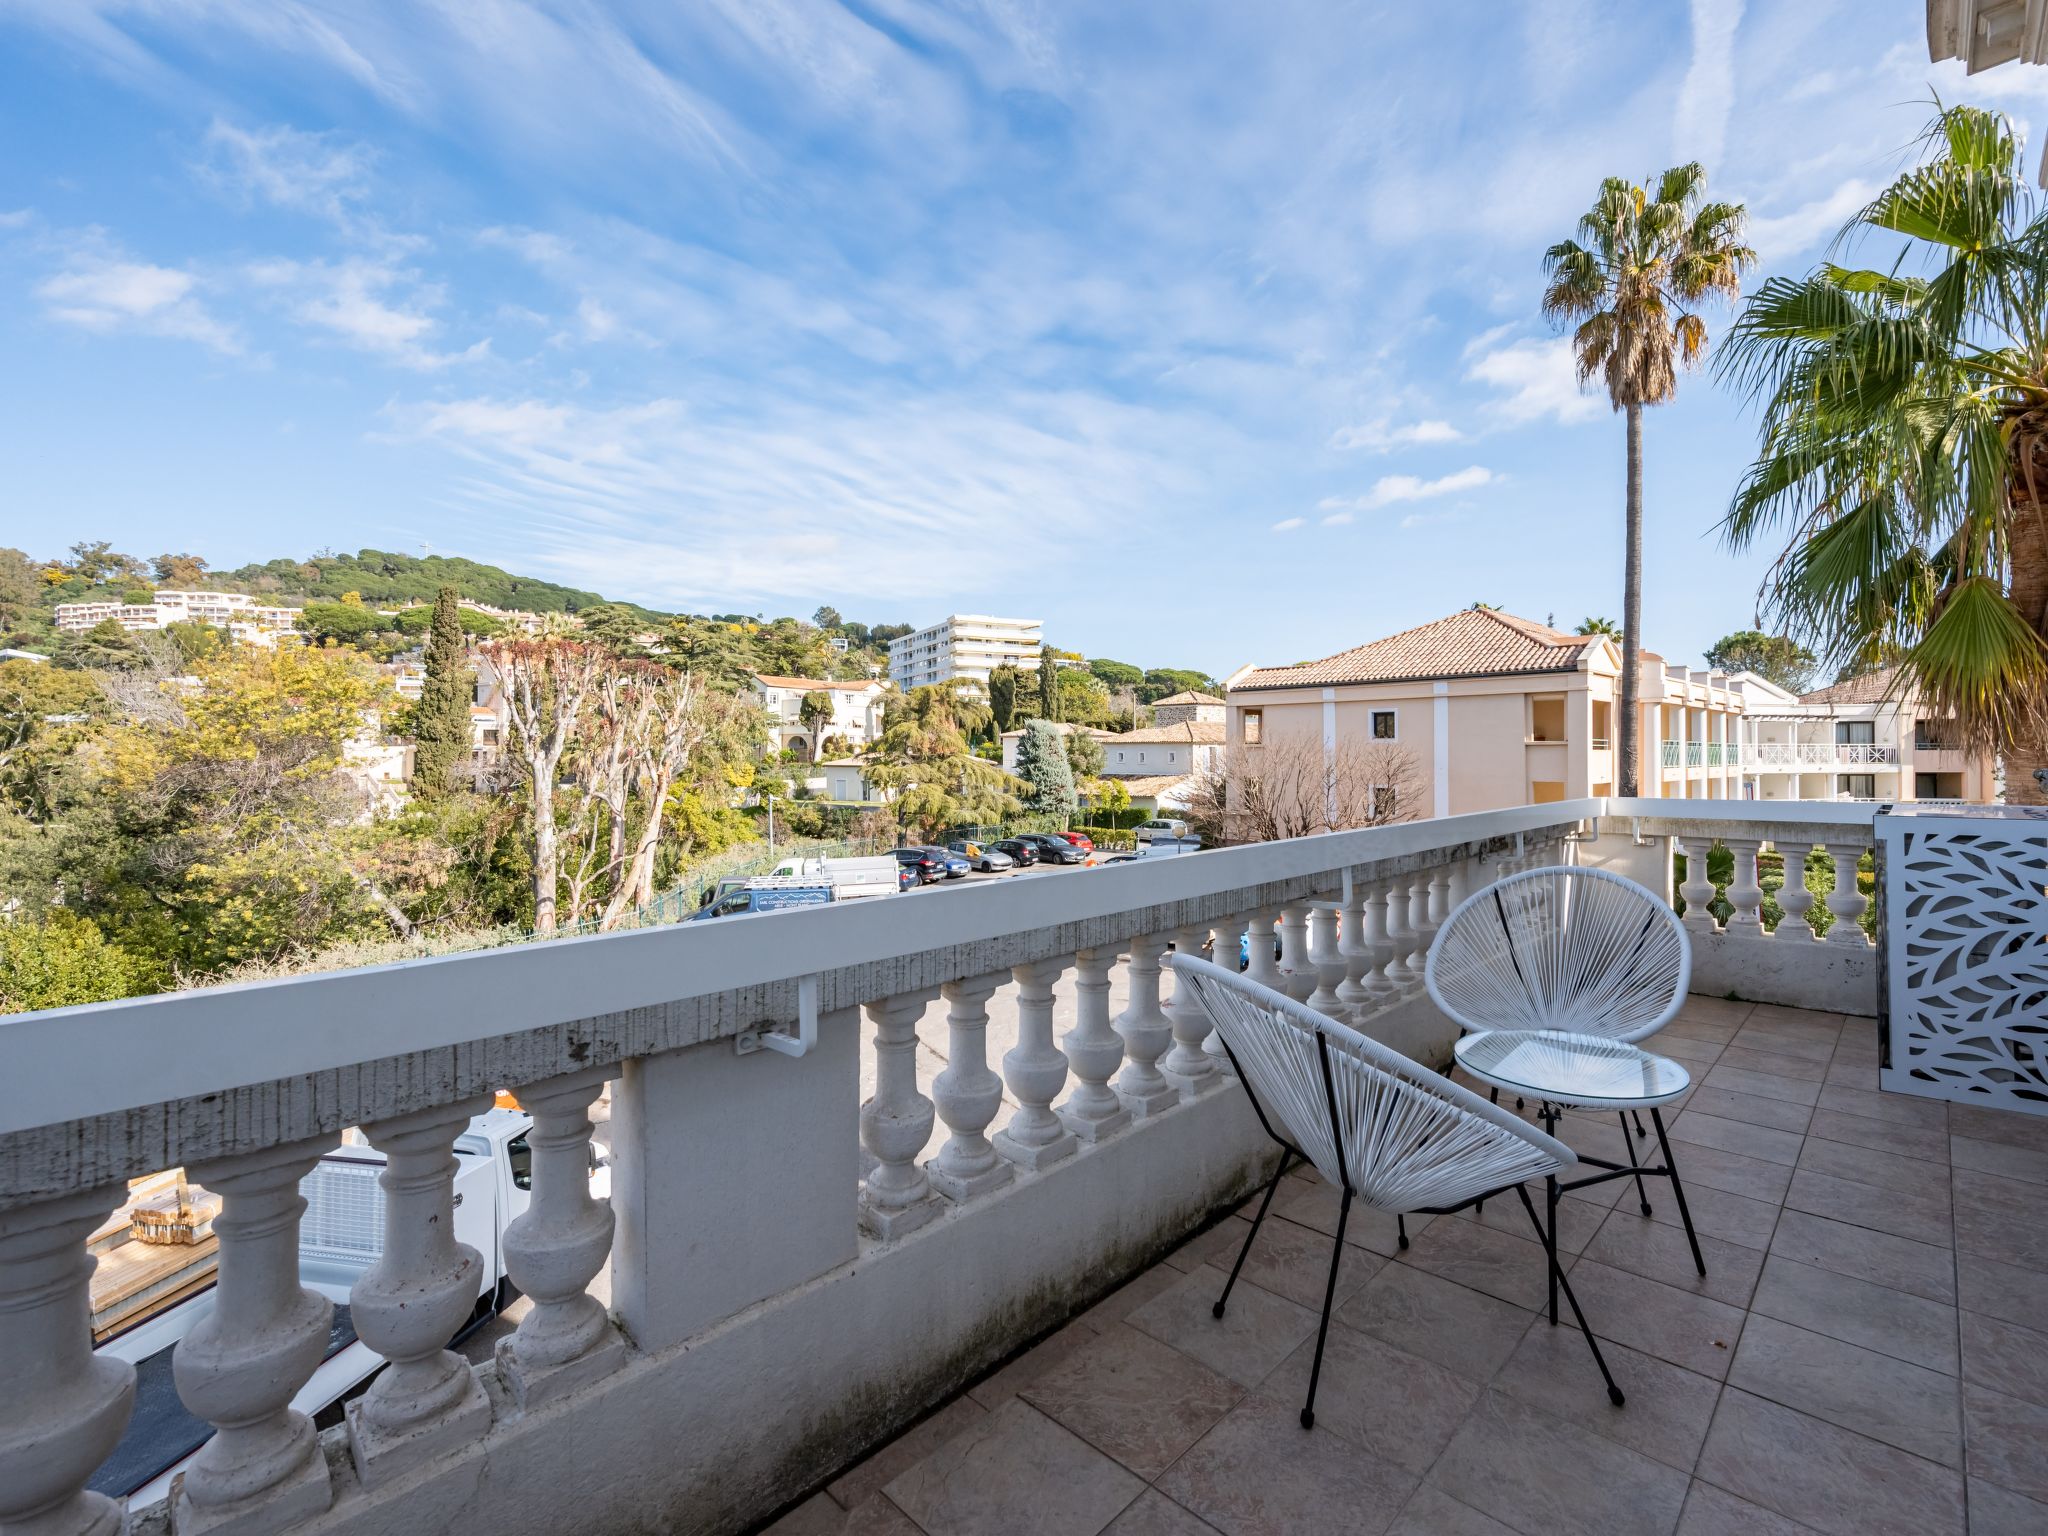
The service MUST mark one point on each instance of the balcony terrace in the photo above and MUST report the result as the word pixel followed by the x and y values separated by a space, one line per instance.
pixel 872 1285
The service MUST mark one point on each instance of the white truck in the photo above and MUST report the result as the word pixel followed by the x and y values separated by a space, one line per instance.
pixel 849 878
pixel 340 1236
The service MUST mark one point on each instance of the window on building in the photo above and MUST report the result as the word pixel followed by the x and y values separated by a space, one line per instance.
pixel 1385 802
pixel 1141 757
pixel 1383 726
pixel 1254 726
pixel 1858 733
pixel 1859 786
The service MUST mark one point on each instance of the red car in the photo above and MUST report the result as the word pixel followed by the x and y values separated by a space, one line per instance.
pixel 1080 840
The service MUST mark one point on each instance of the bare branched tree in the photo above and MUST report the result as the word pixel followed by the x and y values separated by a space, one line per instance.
pixel 546 685
pixel 1291 788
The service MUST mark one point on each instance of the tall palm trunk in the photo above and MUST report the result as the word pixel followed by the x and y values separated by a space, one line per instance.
pixel 1632 612
pixel 2027 755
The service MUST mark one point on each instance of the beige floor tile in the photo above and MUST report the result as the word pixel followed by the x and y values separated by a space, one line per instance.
pixel 1219 1243
pixel 1291 1260
pixel 1847 1307
pixel 1710 1511
pixel 2008 1162
pixel 1154 1514
pixel 1837 1482
pixel 1256 1332
pixel 1778 1016
pixel 1848 1249
pixel 1896 1108
pixel 1749 1109
pixel 1522 1465
pixel 2008 1440
pixel 993 1390
pixel 1015 1471
pixel 1915 1176
pixel 816 1516
pixel 1259 1473
pixel 866 1479
pixel 1658 1251
pixel 1433 1512
pixel 1577 1220
pixel 2002 1219
pixel 1880 1135
pixel 1905 1405
pixel 1317 1205
pixel 1996 1511
pixel 2010 1291
pixel 1813 1045
pixel 1752 1141
pixel 1431 1317
pixel 1715 1212
pixel 1919 1217
pixel 1673 1325
pixel 1667 1411
pixel 1697 1055
pixel 1133 1398
pixel 1126 1299
pixel 1400 1407
pixel 879 1517
pixel 1720 1011
pixel 1735 1173
pixel 1765 1085
pixel 1751 1055
pixel 2000 1125
pixel 2006 1357
pixel 1483 1259
pixel 1860 1075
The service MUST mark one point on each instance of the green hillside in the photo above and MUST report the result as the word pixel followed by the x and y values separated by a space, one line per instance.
pixel 389 580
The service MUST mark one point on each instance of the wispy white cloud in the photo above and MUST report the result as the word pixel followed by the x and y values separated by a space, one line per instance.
pixel 1699 127
pixel 1539 379
pixel 311 173
pixel 1782 236
pixel 109 294
pixel 1389 490
pixel 369 305
pixel 1383 436
pixel 1289 524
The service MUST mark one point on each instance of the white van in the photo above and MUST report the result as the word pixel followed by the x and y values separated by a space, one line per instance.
pixel 1161 826
pixel 849 878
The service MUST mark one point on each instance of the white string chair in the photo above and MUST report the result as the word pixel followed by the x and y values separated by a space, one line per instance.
pixel 1382 1128
pixel 1564 948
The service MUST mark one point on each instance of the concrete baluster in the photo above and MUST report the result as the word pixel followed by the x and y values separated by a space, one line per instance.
pixel 555 1248
pixel 409 1303
pixel 1379 985
pixel 63 1408
pixel 1327 959
pixel 1230 947
pixel 1095 1050
pixel 241 1364
pixel 1297 965
pixel 968 1095
pixel 1745 891
pixel 1400 938
pixel 1794 897
pixel 1424 932
pixel 1036 1071
pixel 1146 1033
pixel 1845 901
pixel 896 1123
pixel 1263 965
pixel 1698 889
pixel 1353 997
pixel 1187 1066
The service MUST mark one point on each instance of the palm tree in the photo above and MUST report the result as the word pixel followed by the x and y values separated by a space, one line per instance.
pixel 1592 626
pixel 1904 455
pixel 1633 281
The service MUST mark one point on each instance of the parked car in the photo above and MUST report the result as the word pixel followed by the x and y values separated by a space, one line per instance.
pixel 983 856
pixel 1053 850
pixel 951 865
pixel 926 863
pixel 767 893
pixel 1123 858
pixel 1021 853
pixel 1161 826
pixel 1080 840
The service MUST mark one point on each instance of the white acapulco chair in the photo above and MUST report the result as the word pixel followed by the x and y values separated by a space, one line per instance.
pixel 1567 949
pixel 1385 1130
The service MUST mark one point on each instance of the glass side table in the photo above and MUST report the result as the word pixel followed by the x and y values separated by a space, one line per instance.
pixel 1561 1071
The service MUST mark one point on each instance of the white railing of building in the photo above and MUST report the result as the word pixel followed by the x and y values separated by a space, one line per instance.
pixel 247 1086
pixel 1820 754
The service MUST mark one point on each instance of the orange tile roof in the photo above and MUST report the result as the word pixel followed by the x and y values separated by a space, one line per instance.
pixel 1187 698
pixel 1477 642
pixel 1871 688
pixel 1195 733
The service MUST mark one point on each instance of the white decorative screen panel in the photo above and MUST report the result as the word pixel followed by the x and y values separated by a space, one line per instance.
pixel 1966 954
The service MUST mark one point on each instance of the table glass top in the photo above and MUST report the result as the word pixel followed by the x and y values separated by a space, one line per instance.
pixel 1571 1069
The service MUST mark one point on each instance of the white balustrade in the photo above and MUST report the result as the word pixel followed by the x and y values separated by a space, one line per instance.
pixel 1328 962
pixel 896 1123
pixel 1400 938
pixel 1095 1051
pixel 1698 889
pixel 1146 1033
pixel 1297 967
pixel 1187 1066
pixel 63 1408
pixel 967 1095
pixel 241 1364
pixel 1794 899
pixel 1745 892
pixel 1036 1071
pixel 1229 947
pixel 1846 901
pixel 1353 997
pixel 1421 931
pixel 555 1248
pixel 1379 985
pixel 408 1304
pixel 1263 966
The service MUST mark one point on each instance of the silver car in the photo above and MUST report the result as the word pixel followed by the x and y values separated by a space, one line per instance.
pixel 983 856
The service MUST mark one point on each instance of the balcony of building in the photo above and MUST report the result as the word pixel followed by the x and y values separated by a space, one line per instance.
pixel 918 1205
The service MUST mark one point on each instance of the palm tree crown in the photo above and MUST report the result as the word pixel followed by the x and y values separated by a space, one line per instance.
pixel 1904 454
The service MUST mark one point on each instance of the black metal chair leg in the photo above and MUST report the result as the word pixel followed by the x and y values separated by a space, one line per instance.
pixel 1315 1372
pixel 1637 1116
pixel 1401 1229
pixel 1678 1191
pixel 1242 1253
pixel 1550 1242
pixel 1557 1280
pixel 1626 1142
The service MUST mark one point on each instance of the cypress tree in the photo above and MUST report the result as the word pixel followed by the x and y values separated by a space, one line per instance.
pixel 441 732
pixel 1048 687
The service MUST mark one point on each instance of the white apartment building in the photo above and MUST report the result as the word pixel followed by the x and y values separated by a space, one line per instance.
pixel 1858 740
pixel 856 710
pixel 247 618
pixel 964 645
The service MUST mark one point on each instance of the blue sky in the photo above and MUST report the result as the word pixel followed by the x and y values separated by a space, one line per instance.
pixel 1205 331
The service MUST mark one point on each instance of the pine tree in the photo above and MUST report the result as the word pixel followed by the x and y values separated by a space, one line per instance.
pixel 441 731
pixel 1048 687
pixel 1042 765
pixel 1002 696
